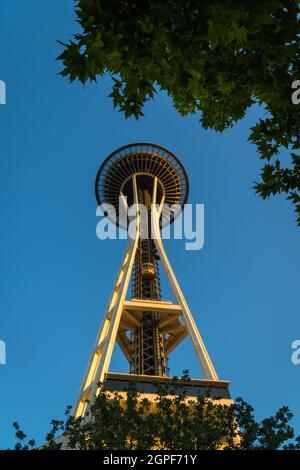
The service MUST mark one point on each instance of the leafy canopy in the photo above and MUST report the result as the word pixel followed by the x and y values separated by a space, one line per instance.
pixel 218 57
pixel 173 422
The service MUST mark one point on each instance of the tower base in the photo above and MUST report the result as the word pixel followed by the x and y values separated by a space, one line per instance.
pixel 145 384
pixel 216 390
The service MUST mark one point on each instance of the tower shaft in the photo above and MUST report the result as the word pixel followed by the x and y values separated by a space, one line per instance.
pixel 148 355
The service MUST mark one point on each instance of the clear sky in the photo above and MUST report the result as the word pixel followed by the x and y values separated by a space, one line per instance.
pixel 56 276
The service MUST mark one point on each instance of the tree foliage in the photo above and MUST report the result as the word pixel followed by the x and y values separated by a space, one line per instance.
pixel 172 422
pixel 216 57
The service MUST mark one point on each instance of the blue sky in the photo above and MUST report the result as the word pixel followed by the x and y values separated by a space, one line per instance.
pixel 56 276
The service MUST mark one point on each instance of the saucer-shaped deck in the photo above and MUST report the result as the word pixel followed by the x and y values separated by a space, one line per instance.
pixel 145 161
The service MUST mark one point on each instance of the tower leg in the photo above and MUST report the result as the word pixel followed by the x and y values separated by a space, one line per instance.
pixel 103 348
pixel 202 354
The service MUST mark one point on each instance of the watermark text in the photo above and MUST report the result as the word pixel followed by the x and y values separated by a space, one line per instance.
pixel 187 225
pixel 2 352
pixel 2 92
pixel 295 357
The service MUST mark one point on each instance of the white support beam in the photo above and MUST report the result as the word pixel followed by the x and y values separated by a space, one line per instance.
pixel 159 306
pixel 173 342
pixel 106 338
pixel 202 354
pixel 130 317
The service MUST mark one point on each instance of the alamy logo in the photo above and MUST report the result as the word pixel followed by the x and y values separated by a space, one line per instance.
pixel 188 225
pixel 296 94
pixel 2 92
pixel 2 352
pixel 295 357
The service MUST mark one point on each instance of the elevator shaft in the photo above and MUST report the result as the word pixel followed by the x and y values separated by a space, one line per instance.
pixel 148 353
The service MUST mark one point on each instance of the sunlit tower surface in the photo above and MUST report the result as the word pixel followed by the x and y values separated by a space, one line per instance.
pixel 146 327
